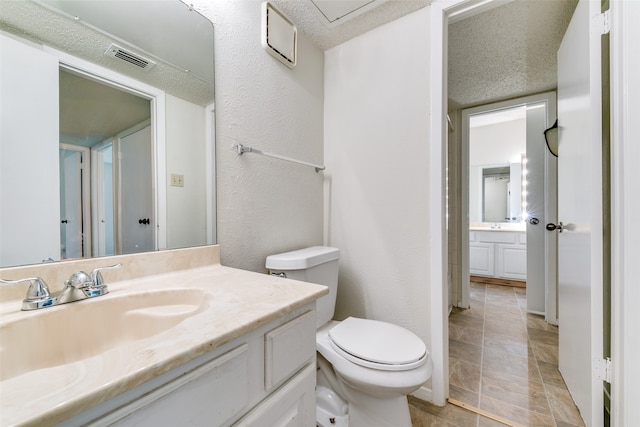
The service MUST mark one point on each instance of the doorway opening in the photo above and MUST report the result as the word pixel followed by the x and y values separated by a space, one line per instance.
pixel 106 168
pixel 508 192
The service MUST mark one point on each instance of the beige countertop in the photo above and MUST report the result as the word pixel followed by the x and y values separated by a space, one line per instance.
pixel 235 303
pixel 511 227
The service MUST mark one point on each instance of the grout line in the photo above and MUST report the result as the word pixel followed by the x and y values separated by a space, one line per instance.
pixel 484 325
pixel 484 413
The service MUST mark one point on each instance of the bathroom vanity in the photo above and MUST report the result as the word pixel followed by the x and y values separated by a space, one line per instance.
pixel 498 253
pixel 196 344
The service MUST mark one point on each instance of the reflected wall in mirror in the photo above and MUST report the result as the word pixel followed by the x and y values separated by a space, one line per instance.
pixel 497 143
pixel 99 157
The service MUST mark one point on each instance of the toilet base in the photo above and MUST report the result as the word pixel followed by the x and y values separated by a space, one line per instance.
pixel 380 413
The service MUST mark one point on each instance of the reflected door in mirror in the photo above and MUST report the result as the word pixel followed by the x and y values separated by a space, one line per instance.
pixel 136 190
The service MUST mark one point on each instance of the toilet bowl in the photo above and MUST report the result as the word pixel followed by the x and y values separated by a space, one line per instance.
pixel 366 368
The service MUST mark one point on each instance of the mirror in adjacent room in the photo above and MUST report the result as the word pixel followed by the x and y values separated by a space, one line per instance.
pixel 122 158
pixel 497 143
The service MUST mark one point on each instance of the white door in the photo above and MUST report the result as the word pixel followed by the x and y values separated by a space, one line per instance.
pixel 580 210
pixel 136 219
pixel 535 183
pixel 70 204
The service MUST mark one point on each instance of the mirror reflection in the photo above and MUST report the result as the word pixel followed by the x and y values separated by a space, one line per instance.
pixel 99 157
pixel 497 143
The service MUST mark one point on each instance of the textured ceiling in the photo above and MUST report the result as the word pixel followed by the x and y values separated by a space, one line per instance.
pixel 41 25
pixel 506 52
pixel 308 21
pixel 91 112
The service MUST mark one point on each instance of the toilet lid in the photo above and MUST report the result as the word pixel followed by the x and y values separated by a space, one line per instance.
pixel 378 345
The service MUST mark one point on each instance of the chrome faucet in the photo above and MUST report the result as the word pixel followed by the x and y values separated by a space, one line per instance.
pixel 79 286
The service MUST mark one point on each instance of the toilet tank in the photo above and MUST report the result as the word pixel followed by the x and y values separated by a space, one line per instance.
pixel 318 264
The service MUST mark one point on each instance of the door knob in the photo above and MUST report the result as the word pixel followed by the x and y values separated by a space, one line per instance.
pixel 534 221
pixel 551 227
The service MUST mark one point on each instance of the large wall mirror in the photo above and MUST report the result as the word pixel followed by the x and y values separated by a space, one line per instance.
pixel 107 140
pixel 497 147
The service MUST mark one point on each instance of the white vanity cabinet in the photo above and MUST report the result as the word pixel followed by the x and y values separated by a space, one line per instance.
pixel 264 378
pixel 498 254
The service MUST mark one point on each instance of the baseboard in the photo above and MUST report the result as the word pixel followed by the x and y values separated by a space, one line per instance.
pixel 497 281
pixel 424 393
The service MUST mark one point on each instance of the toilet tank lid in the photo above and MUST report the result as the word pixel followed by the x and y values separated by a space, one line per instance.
pixel 302 258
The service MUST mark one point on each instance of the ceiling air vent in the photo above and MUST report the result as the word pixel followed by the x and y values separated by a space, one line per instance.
pixel 132 58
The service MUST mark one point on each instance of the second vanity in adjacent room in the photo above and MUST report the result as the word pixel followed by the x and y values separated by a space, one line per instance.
pixel 498 251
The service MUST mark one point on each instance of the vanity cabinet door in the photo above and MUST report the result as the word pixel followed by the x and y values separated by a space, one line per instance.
pixel 288 347
pixel 512 261
pixel 292 405
pixel 481 259
pixel 209 395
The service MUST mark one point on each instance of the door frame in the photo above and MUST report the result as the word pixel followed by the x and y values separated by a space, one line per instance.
pixel 625 233
pixel 625 130
pixel 158 131
pixel 550 247
pixel 85 188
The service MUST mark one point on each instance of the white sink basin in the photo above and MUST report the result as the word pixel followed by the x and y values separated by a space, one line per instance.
pixel 71 332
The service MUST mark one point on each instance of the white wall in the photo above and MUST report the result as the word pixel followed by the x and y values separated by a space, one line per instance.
pixel 30 216
pixel 265 206
pixel 377 157
pixel 497 144
pixel 185 140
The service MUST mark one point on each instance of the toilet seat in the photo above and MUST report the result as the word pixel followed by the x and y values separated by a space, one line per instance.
pixel 377 345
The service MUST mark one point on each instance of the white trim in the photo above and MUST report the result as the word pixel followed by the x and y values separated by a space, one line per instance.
pixel 158 120
pixel 210 173
pixel 439 345
pixel 442 11
pixel 625 252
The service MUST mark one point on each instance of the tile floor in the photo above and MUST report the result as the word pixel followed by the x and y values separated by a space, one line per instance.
pixel 503 361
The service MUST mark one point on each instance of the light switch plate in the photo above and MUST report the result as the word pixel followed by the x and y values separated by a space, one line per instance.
pixel 177 180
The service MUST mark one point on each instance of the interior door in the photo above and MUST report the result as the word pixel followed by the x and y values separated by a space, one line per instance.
pixel 70 204
pixel 580 210
pixel 136 220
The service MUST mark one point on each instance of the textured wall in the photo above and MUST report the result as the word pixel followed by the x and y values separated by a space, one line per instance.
pixel 377 155
pixel 264 205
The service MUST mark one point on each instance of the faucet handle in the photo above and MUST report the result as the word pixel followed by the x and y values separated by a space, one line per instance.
pixel 38 290
pixel 96 276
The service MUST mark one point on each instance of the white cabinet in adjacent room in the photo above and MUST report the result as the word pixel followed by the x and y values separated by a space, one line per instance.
pixel 498 254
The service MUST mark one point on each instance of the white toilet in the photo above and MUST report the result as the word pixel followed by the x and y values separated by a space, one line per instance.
pixel 366 368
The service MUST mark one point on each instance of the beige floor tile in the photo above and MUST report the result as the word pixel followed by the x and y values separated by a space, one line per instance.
pixel 505 330
pixel 464 375
pixel 520 392
pixel 518 378
pixel 465 334
pixel 545 353
pixel 511 346
pixel 550 374
pixel 467 321
pixel 466 352
pixel 537 322
pixel 515 413
pixel 452 415
pixel 562 405
pixel 464 395
pixel 543 337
